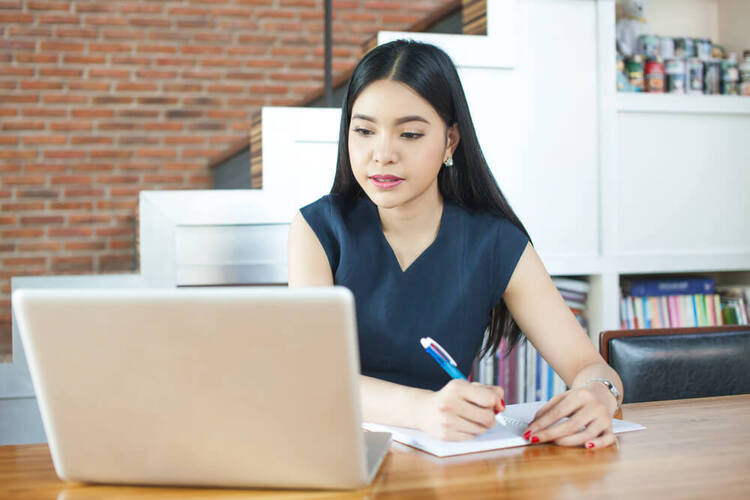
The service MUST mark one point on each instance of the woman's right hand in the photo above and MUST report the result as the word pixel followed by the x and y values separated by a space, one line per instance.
pixel 460 410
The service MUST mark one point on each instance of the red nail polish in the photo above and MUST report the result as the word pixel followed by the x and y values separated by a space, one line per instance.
pixel 497 411
pixel 526 435
pixel 502 402
pixel 535 439
pixel 589 445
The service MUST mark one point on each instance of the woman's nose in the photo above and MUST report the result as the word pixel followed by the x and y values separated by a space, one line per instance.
pixel 384 152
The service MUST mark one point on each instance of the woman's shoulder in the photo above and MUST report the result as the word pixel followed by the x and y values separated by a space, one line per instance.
pixel 333 208
pixel 484 219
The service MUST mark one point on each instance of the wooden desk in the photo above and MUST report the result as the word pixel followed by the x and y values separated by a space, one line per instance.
pixel 695 448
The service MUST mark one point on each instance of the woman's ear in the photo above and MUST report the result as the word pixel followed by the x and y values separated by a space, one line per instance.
pixel 454 137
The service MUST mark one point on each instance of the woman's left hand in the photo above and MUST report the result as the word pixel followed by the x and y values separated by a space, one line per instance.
pixel 589 410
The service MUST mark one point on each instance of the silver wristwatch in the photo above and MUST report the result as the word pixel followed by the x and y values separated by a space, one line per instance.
pixel 612 388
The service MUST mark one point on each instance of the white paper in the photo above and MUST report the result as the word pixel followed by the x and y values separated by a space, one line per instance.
pixel 517 417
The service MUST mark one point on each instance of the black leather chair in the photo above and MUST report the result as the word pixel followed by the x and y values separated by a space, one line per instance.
pixel 679 363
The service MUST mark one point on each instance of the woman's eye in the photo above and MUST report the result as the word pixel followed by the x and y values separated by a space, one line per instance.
pixel 407 135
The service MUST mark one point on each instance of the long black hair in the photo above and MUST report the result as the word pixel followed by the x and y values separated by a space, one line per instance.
pixel 469 183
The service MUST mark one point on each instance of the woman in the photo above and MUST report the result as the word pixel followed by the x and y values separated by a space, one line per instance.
pixel 416 226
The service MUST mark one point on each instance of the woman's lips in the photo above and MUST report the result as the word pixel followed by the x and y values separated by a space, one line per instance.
pixel 386 182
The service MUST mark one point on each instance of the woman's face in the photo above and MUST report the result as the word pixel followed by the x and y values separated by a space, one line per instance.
pixel 397 144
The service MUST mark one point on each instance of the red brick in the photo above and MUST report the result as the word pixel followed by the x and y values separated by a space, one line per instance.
pixel 71 205
pixel 66 232
pixel 117 205
pixel 124 192
pixel 63 46
pixel 72 264
pixel 44 139
pixel 39 246
pixel 121 244
pixel 71 179
pixel 116 179
pixel 114 231
pixel 163 179
pixel 22 207
pixel 24 262
pixel 75 125
pixel 58 19
pixel 23 180
pixel 42 220
pixel 48 194
pixel 44 167
pixel 37 58
pixel 89 86
pixel 85 245
pixel 83 192
pixel 22 125
pixel 7 220
pixel 64 153
pixel 25 98
pixel 76 33
pixel 22 233
pixel 91 140
pixel 116 262
pixel 106 20
pixel 88 219
pixel 16 18
pixel 93 167
pixel 63 99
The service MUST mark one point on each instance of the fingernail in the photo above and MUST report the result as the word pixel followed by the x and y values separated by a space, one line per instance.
pixel 526 435
pixel 502 402
pixel 535 439
pixel 497 411
pixel 589 445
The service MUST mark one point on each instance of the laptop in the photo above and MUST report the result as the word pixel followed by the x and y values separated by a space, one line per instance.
pixel 225 387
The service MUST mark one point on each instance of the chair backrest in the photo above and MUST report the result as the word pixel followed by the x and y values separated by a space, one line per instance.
pixel 678 363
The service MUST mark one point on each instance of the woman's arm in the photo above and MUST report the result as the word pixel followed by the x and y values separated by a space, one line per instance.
pixel 460 410
pixel 548 323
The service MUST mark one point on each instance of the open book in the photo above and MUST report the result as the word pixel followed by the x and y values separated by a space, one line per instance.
pixel 517 418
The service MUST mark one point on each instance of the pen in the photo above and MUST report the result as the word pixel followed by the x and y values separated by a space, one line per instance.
pixel 447 363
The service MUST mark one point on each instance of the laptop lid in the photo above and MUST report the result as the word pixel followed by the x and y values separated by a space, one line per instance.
pixel 241 386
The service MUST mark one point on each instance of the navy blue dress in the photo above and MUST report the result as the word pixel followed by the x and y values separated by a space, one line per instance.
pixel 447 293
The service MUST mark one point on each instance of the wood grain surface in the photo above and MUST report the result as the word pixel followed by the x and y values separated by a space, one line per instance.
pixel 694 448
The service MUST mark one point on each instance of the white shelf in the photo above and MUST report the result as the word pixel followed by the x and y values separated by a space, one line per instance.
pixel 639 102
pixel 677 263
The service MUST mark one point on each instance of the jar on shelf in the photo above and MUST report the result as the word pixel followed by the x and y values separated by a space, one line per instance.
pixel 654 75
pixel 666 47
pixel 675 73
pixel 745 74
pixel 712 77
pixel 694 76
pixel 730 75
pixel 635 72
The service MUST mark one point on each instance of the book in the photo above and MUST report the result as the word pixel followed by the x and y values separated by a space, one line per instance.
pixel 572 285
pixel 518 417
pixel 683 286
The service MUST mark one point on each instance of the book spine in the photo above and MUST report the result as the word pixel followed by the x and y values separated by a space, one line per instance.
pixel 631 313
pixel 694 311
pixel 698 298
pixel 539 373
pixel 624 321
pixel 717 306
pixel 665 311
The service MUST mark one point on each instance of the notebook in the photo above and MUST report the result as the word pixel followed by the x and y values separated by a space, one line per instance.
pixel 516 416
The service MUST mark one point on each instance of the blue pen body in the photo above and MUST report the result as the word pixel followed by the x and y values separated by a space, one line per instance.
pixel 447 366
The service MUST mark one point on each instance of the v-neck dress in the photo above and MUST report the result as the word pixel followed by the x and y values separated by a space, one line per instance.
pixel 447 293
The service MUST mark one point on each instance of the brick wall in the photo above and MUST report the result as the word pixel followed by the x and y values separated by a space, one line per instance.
pixel 102 99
